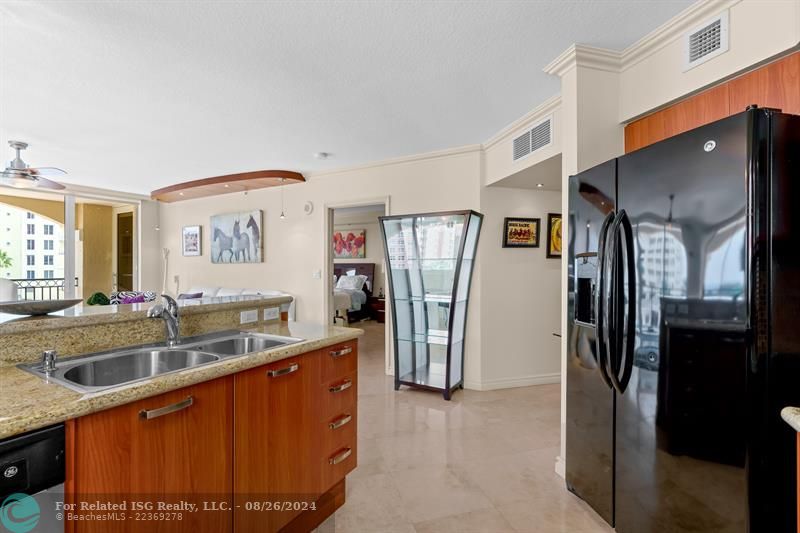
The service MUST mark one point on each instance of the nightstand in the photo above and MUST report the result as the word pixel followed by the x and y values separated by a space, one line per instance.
pixel 377 309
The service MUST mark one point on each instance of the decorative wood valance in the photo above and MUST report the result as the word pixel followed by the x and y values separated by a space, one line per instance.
pixel 246 181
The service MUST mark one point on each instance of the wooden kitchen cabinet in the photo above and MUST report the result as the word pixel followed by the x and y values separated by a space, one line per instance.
pixel 171 448
pixel 263 450
pixel 338 412
pixel 277 443
pixel 775 85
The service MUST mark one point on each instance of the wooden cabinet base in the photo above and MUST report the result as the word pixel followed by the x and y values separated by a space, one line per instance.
pixel 326 506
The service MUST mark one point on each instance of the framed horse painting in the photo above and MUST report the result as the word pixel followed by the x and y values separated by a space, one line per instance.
pixel 237 237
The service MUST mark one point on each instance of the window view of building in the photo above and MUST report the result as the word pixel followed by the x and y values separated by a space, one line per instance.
pixel 30 245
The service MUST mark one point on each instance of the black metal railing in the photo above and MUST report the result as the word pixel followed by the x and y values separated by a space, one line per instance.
pixel 41 288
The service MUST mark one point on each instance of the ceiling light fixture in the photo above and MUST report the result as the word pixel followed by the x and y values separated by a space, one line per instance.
pixel 540 185
pixel 283 216
pixel 20 176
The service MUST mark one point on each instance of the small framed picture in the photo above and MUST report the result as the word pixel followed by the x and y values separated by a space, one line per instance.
pixel 554 235
pixel 191 241
pixel 521 233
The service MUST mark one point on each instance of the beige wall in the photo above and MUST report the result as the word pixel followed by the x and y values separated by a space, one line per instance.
pixel 499 160
pixel 295 248
pixel 150 257
pixel 95 225
pixel 374 248
pixel 49 208
pixel 520 297
pixel 759 29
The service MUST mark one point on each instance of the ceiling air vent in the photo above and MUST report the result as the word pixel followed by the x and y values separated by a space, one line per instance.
pixel 534 139
pixel 706 41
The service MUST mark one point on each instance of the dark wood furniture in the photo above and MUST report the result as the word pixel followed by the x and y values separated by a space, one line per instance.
pixel 361 269
pixel 282 433
pixel 776 85
pixel 377 308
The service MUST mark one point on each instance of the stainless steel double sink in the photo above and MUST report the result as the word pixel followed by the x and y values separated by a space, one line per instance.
pixel 100 371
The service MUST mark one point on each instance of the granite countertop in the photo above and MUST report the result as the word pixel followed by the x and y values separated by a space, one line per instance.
pixel 28 402
pixel 82 314
pixel 792 417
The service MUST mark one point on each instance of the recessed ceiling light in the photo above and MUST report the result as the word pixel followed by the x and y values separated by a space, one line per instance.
pixel 322 155
pixel 180 194
pixel 540 185
pixel 227 186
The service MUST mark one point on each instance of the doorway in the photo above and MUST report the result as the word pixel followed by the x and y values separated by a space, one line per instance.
pixel 355 275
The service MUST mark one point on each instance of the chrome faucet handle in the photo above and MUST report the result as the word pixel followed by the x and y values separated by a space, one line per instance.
pixel 172 305
pixel 156 311
pixel 49 360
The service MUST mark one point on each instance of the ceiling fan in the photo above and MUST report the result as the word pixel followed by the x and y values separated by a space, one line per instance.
pixel 19 175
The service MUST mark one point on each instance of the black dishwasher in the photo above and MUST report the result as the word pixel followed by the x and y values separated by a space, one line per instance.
pixel 32 481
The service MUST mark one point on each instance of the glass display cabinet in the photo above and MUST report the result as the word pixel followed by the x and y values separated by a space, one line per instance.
pixel 430 258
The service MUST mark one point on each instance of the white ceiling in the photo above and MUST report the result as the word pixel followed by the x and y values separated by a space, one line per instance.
pixel 134 96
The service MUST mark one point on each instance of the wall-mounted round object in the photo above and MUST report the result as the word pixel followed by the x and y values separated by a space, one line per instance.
pixel 308 208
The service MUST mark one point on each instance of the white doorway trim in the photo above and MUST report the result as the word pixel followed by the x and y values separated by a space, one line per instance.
pixel 327 270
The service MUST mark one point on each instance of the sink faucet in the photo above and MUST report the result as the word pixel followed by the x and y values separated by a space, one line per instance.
pixel 171 320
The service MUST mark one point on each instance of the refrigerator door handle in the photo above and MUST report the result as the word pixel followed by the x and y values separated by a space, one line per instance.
pixel 622 230
pixel 601 332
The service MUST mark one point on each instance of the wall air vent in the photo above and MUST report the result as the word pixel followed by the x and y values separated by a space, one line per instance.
pixel 533 139
pixel 707 41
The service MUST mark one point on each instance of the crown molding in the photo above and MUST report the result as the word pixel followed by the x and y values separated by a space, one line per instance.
pixel 585 56
pixel 450 152
pixel 674 28
pixel 538 113
pixel 616 61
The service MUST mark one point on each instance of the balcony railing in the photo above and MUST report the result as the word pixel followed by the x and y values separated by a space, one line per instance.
pixel 41 288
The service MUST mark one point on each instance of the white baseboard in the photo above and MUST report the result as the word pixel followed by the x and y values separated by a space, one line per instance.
pixel 510 383
pixel 561 467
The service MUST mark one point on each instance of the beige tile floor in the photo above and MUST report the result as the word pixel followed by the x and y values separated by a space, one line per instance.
pixel 483 462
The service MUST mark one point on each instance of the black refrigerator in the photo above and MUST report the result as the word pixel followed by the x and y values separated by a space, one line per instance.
pixel 684 330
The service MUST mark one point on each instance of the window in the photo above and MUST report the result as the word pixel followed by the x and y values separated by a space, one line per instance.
pixel 31 229
pixel 31 244
pixel 29 215
pixel 48 260
pixel 30 274
pixel 48 274
pixel 48 229
pixel 30 260
pixel 48 245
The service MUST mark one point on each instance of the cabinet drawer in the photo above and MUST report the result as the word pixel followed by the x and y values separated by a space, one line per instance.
pixel 340 459
pixel 339 431
pixel 339 360
pixel 339 396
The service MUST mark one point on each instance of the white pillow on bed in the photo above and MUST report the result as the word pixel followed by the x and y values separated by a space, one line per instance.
pixel 351 282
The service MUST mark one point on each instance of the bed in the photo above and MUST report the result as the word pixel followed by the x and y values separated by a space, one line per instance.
pixel 352 303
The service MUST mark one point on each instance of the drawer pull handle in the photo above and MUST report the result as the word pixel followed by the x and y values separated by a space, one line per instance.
pixel 149 414
pixel 343 386
pixel 341 456
pixel 344 351
pixel 294 367
pixel 339 422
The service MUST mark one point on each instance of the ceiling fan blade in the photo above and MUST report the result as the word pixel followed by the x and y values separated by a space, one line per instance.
pixel 46 171
pixel 45 183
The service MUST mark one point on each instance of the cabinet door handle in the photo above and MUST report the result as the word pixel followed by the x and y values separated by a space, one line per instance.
pixel 344 351
pixel 341 421
pixel 149 414
pixel 341 456
pixel 344 385
pixel 294 367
